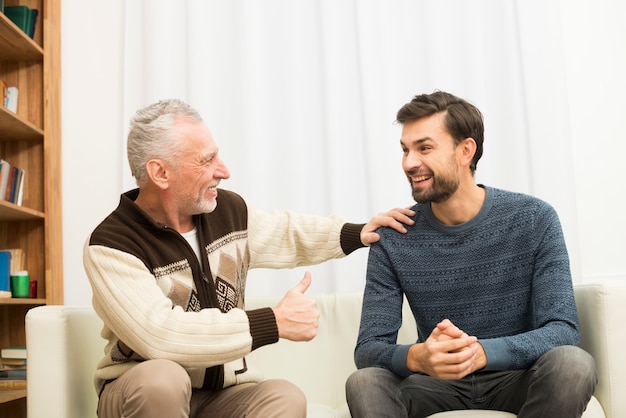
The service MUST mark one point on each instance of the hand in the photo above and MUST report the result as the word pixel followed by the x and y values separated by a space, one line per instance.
pixel 395 219
pixel 450 331
pixel 296 314
pixel 448 353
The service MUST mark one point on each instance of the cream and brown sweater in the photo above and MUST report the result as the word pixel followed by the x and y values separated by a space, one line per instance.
pixel 157 300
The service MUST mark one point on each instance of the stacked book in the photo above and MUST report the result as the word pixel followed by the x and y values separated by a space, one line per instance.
pixel 11 182
pixel 13 368
pixel 24 18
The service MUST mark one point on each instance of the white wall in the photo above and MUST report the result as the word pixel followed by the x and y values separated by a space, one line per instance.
pixel 93 159
pixel 597 92
pixel 92 154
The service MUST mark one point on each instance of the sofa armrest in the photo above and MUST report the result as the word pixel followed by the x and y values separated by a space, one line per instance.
pixel 64 345
pixel 602 314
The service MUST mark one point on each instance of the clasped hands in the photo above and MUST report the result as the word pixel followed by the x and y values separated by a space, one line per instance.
pixel 448 353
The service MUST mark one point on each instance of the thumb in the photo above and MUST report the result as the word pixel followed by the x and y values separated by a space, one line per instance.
pixel 368 238
pixel 304 284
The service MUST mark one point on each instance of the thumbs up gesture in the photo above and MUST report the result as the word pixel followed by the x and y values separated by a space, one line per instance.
pixel 296 314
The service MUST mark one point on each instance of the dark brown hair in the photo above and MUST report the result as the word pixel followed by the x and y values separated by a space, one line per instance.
pixel 462 119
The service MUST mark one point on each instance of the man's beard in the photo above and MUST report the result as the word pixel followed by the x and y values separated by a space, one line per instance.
pixel 199 205
pixel 442 188
pixel 202 205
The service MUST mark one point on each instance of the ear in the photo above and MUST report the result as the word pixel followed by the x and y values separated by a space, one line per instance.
pixel 158 172
pixel 465 151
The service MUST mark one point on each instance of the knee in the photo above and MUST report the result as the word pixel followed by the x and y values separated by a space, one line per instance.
pixel 354 380
pixel 357 380
pixel 368 380
pixel 573 365
pixel 168 382
pixel 282 398
pixel 569 359
pixel 289 391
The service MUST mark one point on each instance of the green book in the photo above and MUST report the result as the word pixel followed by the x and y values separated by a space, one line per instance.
pixel 21 16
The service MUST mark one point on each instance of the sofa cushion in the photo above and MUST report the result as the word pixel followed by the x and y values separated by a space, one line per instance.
pixel 64 346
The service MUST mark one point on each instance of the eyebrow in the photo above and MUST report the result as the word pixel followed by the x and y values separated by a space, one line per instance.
pixel 417 141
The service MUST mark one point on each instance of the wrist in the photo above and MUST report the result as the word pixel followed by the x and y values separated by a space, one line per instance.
pixel 413 356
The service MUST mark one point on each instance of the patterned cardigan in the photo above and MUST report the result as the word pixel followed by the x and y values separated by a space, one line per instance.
pixel 157 300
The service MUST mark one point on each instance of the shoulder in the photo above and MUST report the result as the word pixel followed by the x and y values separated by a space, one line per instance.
pixel 510 199
pixel 514 208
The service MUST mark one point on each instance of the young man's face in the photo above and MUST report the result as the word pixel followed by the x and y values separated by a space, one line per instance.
pixel 429 159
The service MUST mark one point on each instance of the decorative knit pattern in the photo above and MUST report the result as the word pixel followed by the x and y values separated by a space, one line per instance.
pixel 195 314
pixel 504 277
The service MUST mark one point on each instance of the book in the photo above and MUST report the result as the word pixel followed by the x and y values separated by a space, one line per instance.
pixel 5 167
pixel 12 363
pixel 5 271
pixel 15 176
pixel 33 22
pixel 11 182
pixel 12 384
pixel 13 352
pixel 12 97
pixel 17 260
pixel 11 177
pixel 20 15
pixel 5 86
pixel 13 374
pixel 23 17
pixel 20 188
pixel 5 367
pixel 12 379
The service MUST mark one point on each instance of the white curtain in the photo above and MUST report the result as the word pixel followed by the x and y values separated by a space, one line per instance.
pixel 301 96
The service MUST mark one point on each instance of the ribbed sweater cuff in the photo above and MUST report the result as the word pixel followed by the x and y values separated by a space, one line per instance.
pixel 350 237
pixel 263 327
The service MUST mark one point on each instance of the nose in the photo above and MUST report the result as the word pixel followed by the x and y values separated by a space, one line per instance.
pixel 411 161
pixel 221 170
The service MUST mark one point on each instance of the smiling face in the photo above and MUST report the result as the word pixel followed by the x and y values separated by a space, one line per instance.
pixel 198 171
pixel 430 159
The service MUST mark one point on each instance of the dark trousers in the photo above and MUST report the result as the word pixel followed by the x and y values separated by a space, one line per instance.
pixel 560 384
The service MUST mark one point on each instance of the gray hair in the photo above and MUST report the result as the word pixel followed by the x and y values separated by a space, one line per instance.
pixel 152 135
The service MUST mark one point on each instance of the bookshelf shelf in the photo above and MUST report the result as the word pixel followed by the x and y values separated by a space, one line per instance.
pixel 12 212
pixel 11 395
pixel 22 301
pixel 30 139
pixel 14 46
pixel 15 128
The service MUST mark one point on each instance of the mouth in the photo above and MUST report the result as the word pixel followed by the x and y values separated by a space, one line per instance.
pixel 419 179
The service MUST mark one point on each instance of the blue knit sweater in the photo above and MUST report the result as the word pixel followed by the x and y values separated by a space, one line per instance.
pixel 504 277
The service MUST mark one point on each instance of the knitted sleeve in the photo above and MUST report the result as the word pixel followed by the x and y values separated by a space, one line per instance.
pixel 139 314
pixel 381 317
pixel 286 239
pixel 554 319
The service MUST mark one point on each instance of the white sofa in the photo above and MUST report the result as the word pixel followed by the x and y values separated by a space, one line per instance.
pixel 64 346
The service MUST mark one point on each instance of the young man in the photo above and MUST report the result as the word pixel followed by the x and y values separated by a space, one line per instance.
pixel 168 272
pixel 487 276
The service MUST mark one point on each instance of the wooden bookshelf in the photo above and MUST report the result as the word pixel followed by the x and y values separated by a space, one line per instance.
pixel 31 139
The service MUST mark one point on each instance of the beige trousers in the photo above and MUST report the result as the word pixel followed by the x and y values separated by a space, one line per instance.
pixel 161 388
